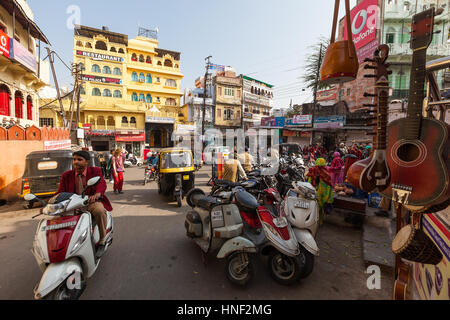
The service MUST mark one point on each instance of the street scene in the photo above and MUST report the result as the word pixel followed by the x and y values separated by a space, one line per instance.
pixel 147 159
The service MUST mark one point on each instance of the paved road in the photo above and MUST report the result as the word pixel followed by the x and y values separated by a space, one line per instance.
pixel 151 257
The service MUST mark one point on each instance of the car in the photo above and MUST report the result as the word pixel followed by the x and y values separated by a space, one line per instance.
pixel 207 154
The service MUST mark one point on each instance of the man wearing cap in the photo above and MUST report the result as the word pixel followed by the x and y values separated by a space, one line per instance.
pixel 75 181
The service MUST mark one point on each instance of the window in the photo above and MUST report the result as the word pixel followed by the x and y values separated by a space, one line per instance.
pixel 117 94
pixel 101 45
pixel 125 121
pixel 141 77
pixel 134 57
pixel 111 122
pixel 101 121
pixel 5 101
pixel 229 92
pixel 134 76
pixel 113 49
pixel 81 66
pixel 149 78
pixel 157 80
pixel 121 50
pixel 106 70
pixel 117 71
pixel 148 60
pixel 88 45
pixel 158 99
pixel 95 68
pixel 149 98
pixel 29 108
pixel 79 43
pixel 82 91
pixel 107 93
pixel 134 96
pixel 46 122
pixel 96 92
pixel 133 122
pixel 168 63
pixel 176 66
pixel 3 28
pixel 141 58
pixel 390 37
pixel 171 83
pixel 141 97
pixel 159 63
pixel 171 102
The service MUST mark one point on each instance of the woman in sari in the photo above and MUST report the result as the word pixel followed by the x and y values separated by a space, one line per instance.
pixel 320 178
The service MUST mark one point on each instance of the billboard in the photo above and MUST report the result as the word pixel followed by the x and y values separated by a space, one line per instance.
pixel 327 95
pixel 5 44
pixel 21 54
pixel 99 56
pixel 329 122
pixel 364 19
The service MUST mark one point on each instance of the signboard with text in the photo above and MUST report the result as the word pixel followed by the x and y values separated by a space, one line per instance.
pixel 57 144
pixel 329 122
pixel 87 77
pixel 5 44
pixel 159 120
pixel 20 54
pixel 130 137
pixel 327 95
pixel 302 119
pixel 99 56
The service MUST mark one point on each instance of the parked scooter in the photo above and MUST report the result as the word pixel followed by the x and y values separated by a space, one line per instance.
pixel 216 226
pixel 301 209
pixel 132 160
pixel 65 246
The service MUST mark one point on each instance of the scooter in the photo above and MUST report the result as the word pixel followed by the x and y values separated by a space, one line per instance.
pixel 216 227
pixel 302 211
pixel 131 160
pixel 65 246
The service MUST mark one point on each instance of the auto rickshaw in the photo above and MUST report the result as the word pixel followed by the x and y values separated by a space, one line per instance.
pixel 43 170
pixel 176 172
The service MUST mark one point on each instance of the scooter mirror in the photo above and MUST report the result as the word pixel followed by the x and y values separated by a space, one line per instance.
pixel 93 181
pixel 29 197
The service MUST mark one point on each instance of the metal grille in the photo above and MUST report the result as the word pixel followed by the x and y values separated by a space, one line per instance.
pixel 43 185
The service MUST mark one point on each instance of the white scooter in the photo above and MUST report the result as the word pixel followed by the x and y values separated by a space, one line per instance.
pixel 65 246
pixel 302 210
pixel 132 160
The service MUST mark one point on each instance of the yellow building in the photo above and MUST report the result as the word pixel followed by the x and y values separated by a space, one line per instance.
pixel 131 90
pixel 228 99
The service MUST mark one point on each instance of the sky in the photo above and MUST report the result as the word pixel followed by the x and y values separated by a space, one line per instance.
pixel 265 39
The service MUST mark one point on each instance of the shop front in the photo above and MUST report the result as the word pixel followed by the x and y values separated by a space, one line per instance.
pixel 131 141
pixel 100 140
pixel 158 132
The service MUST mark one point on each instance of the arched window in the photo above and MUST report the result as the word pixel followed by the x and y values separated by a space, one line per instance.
pixel 124 122
pixel 18 102
pixel 117 94
pixel 168 63
pixel 111 123
pixel 176 66
pixel 159 63
pixel 81 66
pixel 141 58
pixel 171 83
pixel 100 45
pixel 79 43
pixel 134 76
pixel 5 104
pixel 88 45
pixel 95 68
pixel 113 49
pixel 141 77
pixel 117 71
pixel 149 78
pixel 171 102
pixel 29 108
pixel 141 97
pixel 134 96
pixel 92 122
pixel 148 60
pixel 134 57
pixel 100 121
pixel 82 91
pixel 107 93
pixel 121 50
pixel 390 35
pixel 133 122
pixel 106 70
pixel 149 98
pixel 96 92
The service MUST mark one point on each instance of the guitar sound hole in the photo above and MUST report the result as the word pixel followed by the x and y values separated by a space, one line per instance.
pixel 408 152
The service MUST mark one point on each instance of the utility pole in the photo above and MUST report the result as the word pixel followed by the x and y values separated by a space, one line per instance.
pixel 208 62
pixel 319 62
pixel 51 59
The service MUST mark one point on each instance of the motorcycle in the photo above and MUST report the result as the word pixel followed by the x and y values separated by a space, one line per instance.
pixel 131 160
pixel 65 247
pixel 216 226
pixel 149 174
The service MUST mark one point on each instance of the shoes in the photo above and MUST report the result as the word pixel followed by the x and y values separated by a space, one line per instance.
pixel 115 191
pixel 121 192
pixel 100 250
pixel 382 213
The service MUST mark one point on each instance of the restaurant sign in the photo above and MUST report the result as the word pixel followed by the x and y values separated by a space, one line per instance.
pixel 99 56
pixel 87 77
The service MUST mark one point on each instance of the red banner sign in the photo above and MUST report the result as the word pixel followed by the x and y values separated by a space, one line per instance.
pixel 130 137
pixel 5 45
pixel 327 95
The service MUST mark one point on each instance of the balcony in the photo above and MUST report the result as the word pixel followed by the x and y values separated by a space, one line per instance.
pixel 433 50
pixel 398 94
pixel 153 68
pixel 254 98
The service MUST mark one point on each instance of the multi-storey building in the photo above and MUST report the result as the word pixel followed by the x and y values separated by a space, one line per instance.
pixel 258 101
pixel 20 65
pixel 228 99
pixel 131 91
pixel 194 100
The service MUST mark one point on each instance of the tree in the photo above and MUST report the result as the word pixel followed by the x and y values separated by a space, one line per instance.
pixel 311 62
pixel 294 110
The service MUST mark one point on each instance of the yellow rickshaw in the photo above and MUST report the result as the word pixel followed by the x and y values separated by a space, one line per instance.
pixel 176 172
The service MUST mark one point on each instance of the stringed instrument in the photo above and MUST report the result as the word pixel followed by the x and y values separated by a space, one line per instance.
pixel 401 269
pixel 372 174
pixel 418 148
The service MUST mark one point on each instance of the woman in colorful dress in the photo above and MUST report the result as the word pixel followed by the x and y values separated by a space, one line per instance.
pixel 319 177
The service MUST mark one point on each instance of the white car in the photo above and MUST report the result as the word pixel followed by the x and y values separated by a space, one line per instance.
pixel 207 154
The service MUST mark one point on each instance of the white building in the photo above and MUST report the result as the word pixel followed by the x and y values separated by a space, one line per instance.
pixel 258 101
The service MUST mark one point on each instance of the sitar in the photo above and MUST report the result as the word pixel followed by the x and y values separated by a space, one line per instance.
pixel 372 174
pixel 418 148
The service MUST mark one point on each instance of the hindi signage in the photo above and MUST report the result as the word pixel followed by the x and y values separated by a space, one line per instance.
pixel 99 56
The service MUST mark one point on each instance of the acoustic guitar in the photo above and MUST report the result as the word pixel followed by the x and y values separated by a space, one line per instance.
pixel 372 174
pixel 418 148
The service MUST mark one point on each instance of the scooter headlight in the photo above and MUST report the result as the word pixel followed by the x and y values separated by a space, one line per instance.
pixel 79 241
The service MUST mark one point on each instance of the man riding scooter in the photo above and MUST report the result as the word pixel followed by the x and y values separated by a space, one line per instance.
pixel 75 181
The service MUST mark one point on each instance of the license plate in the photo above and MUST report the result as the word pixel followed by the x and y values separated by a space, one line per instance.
pixel 185 177
pixel 302 204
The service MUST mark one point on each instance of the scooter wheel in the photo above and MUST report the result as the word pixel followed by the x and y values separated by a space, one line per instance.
pixel 62 292
pixel 284 269
pixel 308 261
pixel 239 268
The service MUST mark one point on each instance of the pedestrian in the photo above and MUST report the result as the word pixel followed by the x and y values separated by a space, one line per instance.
pixel 232 170
pixel 246 160
pixel 367 151
pixel 118 170
pixel 319 177
pixel 336 171
pixel 109 167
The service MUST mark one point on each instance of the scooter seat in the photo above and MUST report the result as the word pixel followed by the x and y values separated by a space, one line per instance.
pixel 224 183
pixel 206 202
pixel 246 201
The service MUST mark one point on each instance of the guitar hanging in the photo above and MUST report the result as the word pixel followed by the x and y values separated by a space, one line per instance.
pixel 417 152
pixel 372 174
